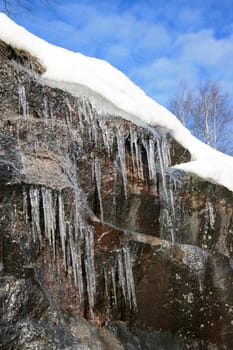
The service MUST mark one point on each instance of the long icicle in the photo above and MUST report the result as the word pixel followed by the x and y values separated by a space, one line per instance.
pixel 121 154
pixel 62 226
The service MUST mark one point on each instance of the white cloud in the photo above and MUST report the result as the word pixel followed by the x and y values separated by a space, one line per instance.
pixel 157 45
pixel 204 49
pixel 192 57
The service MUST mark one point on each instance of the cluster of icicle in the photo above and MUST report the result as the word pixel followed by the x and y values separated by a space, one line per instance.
pixel 75 235
pixel 156 148
pixel 120 274
pixel 67 230
pixel 153 143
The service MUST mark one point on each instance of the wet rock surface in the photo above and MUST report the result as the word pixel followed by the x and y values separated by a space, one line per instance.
pixel 103 244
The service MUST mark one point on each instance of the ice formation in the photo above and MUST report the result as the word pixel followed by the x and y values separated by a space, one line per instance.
pixel 111 91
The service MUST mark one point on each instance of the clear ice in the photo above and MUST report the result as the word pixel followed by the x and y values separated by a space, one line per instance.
pixel 23 105
pixel 62 222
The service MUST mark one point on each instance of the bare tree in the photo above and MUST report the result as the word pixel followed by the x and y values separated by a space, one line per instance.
pixel 181 104
pixel 207 113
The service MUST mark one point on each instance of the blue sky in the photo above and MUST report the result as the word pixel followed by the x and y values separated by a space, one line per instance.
pixel 157 43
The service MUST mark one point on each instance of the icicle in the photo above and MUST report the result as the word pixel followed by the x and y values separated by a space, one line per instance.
pixel 126 279
pixel 1 255
pixel 150 152
pixel 76 261
pixel 132 150
pixel 106 283
pixel 107 136
pixel 68 115
pixel 78 270
pixel 87 111
pixel 34 195
pixel 76 215
pixel 17 132
pixel 138 163
pixel 121 274
pixel 171 202
pixel 91 119
pixel 129 278
pixel 62 227
pixel 95 126
pixel 97 172
pixel 113 274
pixel 25 205
pixel 79 226
pixel 172 214
pixel 68 252
pixel 80 113
pixel 49 217
pixel 165 151
pixel 151 155
pixel 23 105
pixel 121 154
pixel 168 214
pixel 45 109
pixel 90 268
pixel 80 201
pixel 161 162
pixel 114 193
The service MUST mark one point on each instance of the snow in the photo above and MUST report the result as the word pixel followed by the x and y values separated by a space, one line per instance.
pixel 109 88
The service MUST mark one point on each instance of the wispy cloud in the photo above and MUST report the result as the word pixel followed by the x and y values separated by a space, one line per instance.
pixel 193 57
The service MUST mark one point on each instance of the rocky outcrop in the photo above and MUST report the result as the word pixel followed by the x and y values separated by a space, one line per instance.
pixel 103 244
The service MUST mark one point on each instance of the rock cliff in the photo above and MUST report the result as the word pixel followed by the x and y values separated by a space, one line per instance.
pixel 103 244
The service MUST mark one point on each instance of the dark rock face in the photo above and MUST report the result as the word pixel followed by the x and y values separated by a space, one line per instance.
pixel 103 245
